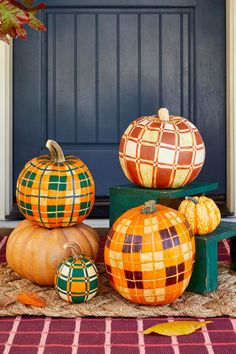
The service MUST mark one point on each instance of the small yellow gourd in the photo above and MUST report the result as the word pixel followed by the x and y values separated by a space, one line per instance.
pixel 202 214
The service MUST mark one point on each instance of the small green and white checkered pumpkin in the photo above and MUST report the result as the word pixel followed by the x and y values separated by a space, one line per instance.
pixel 76 279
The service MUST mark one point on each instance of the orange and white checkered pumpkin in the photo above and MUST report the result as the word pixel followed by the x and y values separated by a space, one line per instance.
pixel 149 254
pixel 55 191
pixel 161 151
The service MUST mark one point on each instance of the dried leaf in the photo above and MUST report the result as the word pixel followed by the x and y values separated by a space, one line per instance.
pixel 6 301
pixel 14 17
pixel 176 328
pixel 28 2
pixel 31 299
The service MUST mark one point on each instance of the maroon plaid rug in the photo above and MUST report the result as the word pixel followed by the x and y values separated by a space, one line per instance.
pixel 45 335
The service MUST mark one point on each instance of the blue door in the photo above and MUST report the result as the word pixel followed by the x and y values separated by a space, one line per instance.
pixel 103 63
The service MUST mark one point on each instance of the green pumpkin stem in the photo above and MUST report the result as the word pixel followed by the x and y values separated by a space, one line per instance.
pixel 149 207
pixel 192 199
pixel 163 114
pixel 75 249
pixel 55 150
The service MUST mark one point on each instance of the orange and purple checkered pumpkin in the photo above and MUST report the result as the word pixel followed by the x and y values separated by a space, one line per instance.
pixel 161 151
pixel 55 191
pixel 149 254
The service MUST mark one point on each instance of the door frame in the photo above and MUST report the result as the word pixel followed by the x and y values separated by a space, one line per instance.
pixel 6 119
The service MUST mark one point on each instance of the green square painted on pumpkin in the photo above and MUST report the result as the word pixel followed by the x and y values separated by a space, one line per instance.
pixel 30 175
pixel 60 207
pixel 60 215
pixel 85 183
pixel 62 179
pixel 51 208
pixel 54 179
pixel 29 212
pixel 84 208
pixel 93 284
pixel 24 182
pixel 62 186
pixel 61 283
pixel 29 184
pixel 53 186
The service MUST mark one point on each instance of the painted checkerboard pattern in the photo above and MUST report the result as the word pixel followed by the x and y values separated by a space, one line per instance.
pixel 157 154
pixel 149 258
pixel 76 280
pixel 55 194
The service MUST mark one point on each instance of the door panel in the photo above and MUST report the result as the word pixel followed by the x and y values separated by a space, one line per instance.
pixel 102 64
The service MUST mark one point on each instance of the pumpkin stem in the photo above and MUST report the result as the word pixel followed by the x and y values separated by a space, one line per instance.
pixel 194 200
pixel 163 114
pixel 75 249
pixel 149 207
pixel 55 150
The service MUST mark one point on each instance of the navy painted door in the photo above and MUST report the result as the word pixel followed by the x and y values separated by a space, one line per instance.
pixel 103 63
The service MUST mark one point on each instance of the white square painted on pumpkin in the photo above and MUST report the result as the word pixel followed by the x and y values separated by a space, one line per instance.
pixel 90 271
pixel 159 265
pixel 147 266
pixel 65 270
pixel 166 155
pixel 131 148
pixel 199 157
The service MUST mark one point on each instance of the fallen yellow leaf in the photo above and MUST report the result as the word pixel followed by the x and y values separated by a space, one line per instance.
pixel 176 328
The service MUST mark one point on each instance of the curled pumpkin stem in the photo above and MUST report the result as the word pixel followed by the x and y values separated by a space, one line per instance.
pixel 56 152
pixel 75 249
pixel 194 200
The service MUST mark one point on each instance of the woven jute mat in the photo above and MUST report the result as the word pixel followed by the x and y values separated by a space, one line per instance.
pixel 107 302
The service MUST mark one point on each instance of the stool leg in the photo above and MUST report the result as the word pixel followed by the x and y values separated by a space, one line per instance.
pixel 205 271
pixel 233 252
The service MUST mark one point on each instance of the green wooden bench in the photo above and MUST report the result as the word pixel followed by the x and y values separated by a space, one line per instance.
pixel 128 196
pixel 205 272
pixel 204 277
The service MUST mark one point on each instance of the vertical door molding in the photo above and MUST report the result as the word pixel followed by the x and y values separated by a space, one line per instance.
pixel 6 157
pixel 231 103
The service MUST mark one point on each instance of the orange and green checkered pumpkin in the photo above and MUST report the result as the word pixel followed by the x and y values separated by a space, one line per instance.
pixel 55 191
pixel 161 151
pixel 149 254
pixel 76 279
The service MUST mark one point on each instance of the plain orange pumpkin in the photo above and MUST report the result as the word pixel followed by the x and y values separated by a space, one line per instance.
pixel 34 252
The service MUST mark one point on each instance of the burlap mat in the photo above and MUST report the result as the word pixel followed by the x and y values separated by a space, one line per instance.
pixel 108 303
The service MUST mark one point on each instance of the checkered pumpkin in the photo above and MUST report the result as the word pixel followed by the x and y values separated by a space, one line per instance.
pixel 55 191
pixel 76 279
pixel 161 151
pixel 149 254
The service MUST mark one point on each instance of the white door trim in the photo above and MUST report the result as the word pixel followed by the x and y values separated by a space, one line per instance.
pixel 231 103
pixel 6 140
pixel 6 136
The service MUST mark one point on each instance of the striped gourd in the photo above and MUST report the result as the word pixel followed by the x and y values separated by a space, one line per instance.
pixel 201 213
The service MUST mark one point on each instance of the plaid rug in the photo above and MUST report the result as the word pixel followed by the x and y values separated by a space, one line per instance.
pixel 45 335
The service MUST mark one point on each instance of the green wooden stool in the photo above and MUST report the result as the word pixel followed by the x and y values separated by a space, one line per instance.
pixel 128 196
pixel 205 272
